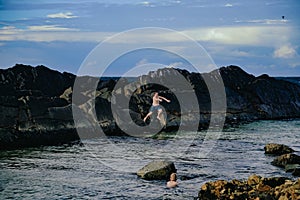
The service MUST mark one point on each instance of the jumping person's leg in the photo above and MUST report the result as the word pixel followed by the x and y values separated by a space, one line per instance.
pixel 148 115
pixel 159 113
pixel 161 117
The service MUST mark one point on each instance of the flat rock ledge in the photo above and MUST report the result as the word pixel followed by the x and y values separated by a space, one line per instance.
pixel 255 187
pixel 157 170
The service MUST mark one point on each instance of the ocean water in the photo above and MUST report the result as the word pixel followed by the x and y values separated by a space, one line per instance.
pixel 106 168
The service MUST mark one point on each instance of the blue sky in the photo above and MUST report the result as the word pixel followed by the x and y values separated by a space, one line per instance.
pixel 60 34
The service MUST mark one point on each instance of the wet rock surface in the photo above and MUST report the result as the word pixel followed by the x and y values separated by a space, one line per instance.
pixel 290 162
pixel 283 160
pixel 157 170
pixel 255 187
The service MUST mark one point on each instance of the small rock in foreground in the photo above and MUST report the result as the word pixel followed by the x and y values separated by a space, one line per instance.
pixel 157 170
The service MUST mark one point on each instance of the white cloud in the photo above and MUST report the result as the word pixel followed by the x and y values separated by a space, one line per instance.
pixel 8 30
pixel 8 27
pixel 285 51
pixel 232 53
pixel 48 28
pixel 66 15
pixel 176 65
pixel 142 62
pixel 165 19
pixel 49 34
pixel 232 35
pixel 228 5
pixel 238 53
pixel 295 64
pixel 146 4
pixel 242 35
pixel 266 36
pixel 264 21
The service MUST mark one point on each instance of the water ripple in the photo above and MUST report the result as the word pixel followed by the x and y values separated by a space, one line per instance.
pixel 85 172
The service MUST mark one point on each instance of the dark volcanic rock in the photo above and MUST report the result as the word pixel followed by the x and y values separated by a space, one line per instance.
pixel 41 79
pixel 248 97
pixel 37 102
pixel 32 113
pixel 260 97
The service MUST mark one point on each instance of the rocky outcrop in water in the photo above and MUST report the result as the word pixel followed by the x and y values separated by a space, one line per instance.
pixel 256 187
pixel 277 149
pixel 285 158
pixel 290 162
pixel 37 104
pixel 157 170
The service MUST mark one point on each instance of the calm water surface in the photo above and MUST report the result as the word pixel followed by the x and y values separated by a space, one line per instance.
pixel 105 168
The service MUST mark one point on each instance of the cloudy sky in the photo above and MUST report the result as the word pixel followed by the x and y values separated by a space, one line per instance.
pixel 261 36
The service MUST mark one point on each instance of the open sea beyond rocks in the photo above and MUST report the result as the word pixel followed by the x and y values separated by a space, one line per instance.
pixel 106 168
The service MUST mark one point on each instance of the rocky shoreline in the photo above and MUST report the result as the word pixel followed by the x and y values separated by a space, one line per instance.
pixel 37 104
pixel 254 188
pixel 257 187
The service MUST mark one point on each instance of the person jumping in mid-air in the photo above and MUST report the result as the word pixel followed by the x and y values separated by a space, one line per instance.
pixel 155 106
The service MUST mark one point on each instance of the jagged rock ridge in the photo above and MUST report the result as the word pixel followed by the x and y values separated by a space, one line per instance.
pixel 36 102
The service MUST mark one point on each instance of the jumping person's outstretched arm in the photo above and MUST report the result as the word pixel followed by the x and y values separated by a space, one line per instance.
pixel 163 98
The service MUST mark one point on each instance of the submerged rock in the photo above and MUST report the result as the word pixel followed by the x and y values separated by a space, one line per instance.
pixel 277 149
pixel 157 170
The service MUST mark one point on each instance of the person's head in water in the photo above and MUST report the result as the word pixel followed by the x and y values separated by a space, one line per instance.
pixel 173 181
pixel 173 177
